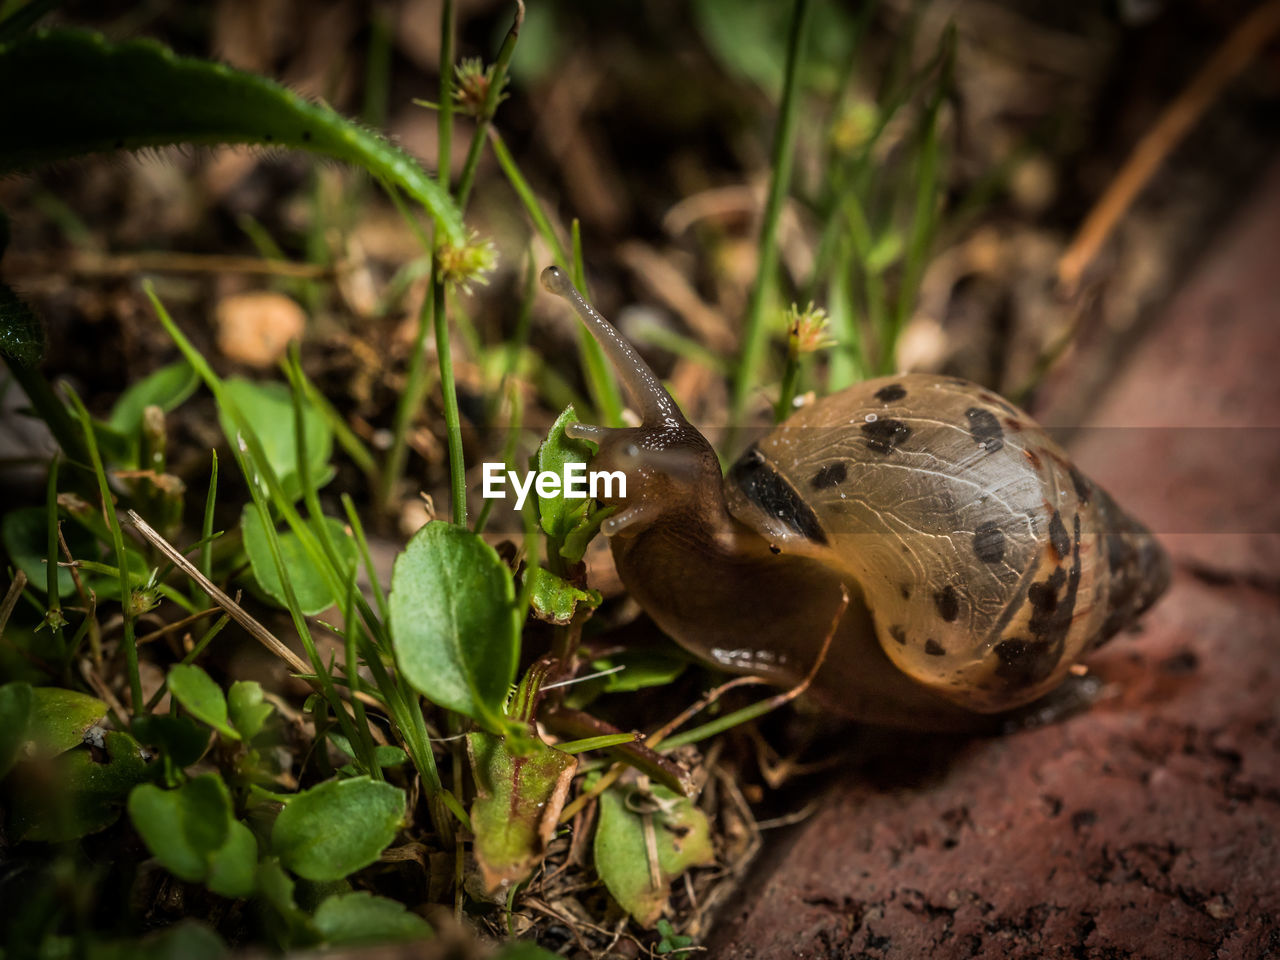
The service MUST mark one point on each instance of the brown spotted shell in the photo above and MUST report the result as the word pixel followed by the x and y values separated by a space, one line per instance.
pixel 989 564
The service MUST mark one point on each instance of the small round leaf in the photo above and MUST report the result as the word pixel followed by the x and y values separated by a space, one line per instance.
pixel 201 696
pixel 454 623
pixel 337 827
pixel 364 918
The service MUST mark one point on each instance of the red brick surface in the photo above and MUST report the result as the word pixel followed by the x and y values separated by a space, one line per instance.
pixel 1149 825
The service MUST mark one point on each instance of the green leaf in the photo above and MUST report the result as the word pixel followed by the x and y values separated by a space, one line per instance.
pixel 886 252
pixel 454 623
pixel 25 534
pixel 184 828
pixel 671 941
pixel 185 940
pixel 364 918
pixel 77 795
pixel 337 827
pixel 387 755
pixel 69 93
pixel 201 697
pixel 59 718
pixel 681 835
pixel 641 669
pixel 575 544
pixel 233 865
pixel 268 408
pixel 309 584
pixel 519 797
pixel 181 738
pixel 15 714
pixel 555 599
pixel 276 888
pixel 749 39
pixel 167 388
pixel 559 514
pixel 644 668
pixel 247 708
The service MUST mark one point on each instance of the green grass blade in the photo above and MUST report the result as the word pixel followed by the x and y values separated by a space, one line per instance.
pixel 754 338
pixel 54 618
pixel 604 389
pixel 117 541
pixel 69 93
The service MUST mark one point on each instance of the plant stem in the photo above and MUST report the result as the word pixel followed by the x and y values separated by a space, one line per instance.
pixel 452 421
pixel 54 617
pixel 491 100
pixel 444 115
pixel 122 560
pixel 790 377
pixel 924 219
pixel 206 528
pixel 753 341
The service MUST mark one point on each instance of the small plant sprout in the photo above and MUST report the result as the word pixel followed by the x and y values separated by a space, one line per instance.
pixel 807 332
pixel 808 329
pixel 470 263
pixel 473 81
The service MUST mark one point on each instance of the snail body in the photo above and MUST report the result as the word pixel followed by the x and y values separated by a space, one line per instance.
pixel 966 563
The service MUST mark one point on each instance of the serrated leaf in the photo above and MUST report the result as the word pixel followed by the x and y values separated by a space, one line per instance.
pixel 201 696
pixel 268 408
pixel 310 586
pixel 350 918
pixel 70 93
pixel 15 714
pixel 184 828
pixel 680 832
pixel 519 797
pixel 246 707
pixel 337 827
pixel 77 794
pixel 59 718
pixel 454 623
pixel 555 599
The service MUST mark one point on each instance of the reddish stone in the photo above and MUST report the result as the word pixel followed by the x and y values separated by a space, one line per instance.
pixel 1189 437
pixel 1148 826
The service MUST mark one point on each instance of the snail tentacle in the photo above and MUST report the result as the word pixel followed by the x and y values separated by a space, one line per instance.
pixel 648 395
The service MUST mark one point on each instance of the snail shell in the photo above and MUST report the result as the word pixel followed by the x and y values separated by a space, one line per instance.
pixel 990 564
pixel 965 562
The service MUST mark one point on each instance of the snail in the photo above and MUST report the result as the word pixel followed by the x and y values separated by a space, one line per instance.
pixel 966 563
